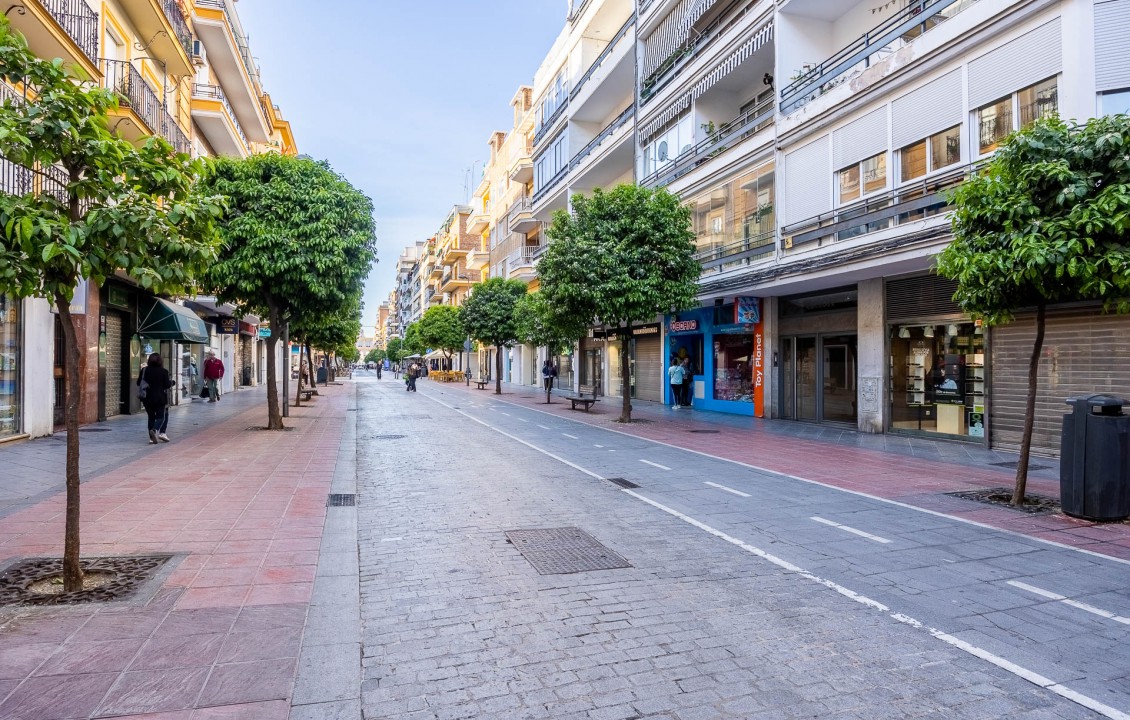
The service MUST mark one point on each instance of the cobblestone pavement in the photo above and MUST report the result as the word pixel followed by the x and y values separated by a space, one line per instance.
pixel 456 623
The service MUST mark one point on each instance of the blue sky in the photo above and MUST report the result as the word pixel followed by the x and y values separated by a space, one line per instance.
pixel 399 95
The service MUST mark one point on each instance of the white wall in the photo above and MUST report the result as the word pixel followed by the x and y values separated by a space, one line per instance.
pixel 38 359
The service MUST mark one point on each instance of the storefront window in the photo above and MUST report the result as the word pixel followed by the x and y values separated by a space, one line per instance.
pixel 733 371
pixel 9 365
pixel 938 379
pixel 736 216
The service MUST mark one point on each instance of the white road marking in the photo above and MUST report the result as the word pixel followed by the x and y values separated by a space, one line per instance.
pixel 1068 601
pixel 391 539
pixel 727 489
pixel 523 420
pixel 852 530
pixel 574 437
pixel 648 462
pixel 543 427
pixel 599 446
pixel 506 414
pixel 1006 665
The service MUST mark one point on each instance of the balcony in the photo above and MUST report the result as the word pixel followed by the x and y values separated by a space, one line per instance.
pixel 141 110
pixel 216 119
pixel 66 29
pixel 522 170
pixel 229 57
pixel 521 215
pixel 922 199
pixel 478 222
pixel 457 279
pixel 919 17
pixel 161 24
pixel 747 249
pixel 608 80
pixel 522 263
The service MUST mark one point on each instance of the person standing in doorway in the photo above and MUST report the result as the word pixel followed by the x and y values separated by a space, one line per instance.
pixel 675 376
pixel 688 380
pixel 213 373
pixel 154 395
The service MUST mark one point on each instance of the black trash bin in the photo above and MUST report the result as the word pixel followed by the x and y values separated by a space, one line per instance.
pixel 1094 465
pixel 322 376
pixel 246 375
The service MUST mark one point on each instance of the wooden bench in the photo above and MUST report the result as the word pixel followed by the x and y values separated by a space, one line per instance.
pixel 482 384
pixel 306 393
pixel 582 391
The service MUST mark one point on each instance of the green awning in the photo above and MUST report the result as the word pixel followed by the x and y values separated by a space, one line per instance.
pixel 162 320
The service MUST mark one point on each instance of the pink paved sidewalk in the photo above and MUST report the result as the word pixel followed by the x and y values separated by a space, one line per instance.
pixel 220 638
pixel 916 481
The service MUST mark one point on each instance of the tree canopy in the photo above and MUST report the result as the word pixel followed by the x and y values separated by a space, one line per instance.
pixel 1047 220
pixel 84 204
pixel 542 325
pixel 298 240
pixel 622 257
pixel 394 350
pixel 490 316
pixel 412 344
pixel 441 328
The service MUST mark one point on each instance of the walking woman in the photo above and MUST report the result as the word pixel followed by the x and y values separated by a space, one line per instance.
pixel 154 396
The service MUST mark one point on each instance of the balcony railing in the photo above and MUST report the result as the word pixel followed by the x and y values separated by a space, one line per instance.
pixel 215 92
pixel 749 247
pixel 180 26
pixel 547 123
pixel 603 56
pixel 751 121
pixel 916 201
pixel 584 152
pixel 124 79
pixel 172 132
pixel 78 21
pixel 521 205
pixel 910 22
pixel 529 253
pixel 240 40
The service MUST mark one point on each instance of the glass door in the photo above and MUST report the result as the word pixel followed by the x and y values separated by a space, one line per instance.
pixel 807 370
pixel 838 401
pixel 818 378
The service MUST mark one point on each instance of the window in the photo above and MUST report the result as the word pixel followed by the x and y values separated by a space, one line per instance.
pixel 997 120
pixel 869 174
pixel 935 152
pixel 668 145
pixel 1115 103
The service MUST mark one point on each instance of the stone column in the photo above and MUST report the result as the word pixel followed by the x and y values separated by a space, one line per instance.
pixel 872 356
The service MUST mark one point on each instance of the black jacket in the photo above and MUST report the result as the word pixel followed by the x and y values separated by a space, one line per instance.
pixel 159 383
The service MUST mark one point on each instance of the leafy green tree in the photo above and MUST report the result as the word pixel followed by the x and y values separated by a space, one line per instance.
pixel 374 355
pixel 1046 221
pixel 412 344
pixel 540 324
pixel 93 205
pixel 298 239
pixel 395 350
pixel 441 328
pixel 622 257
pixel 490 316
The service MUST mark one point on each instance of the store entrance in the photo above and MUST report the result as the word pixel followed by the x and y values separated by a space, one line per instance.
pixel 592 369
pixel 818 378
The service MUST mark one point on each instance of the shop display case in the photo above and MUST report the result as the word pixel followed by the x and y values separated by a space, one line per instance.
pixel 915 384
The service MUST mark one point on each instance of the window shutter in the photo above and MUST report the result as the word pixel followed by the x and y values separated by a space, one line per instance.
pixel 860 138
pixel 1112 59
pixel 931 108
pixel 1028 59
pixel 806 183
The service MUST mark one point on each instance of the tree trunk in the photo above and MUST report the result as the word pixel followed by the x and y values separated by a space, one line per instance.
pixel 498 370
pixel 313 370
pixel 1029 408
pixel 72 361
pixel 274 412
pixel 626 374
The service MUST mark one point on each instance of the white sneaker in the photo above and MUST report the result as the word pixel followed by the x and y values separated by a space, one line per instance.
pixel 163 437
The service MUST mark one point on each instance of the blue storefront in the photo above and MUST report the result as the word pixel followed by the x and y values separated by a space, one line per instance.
pixel 726 356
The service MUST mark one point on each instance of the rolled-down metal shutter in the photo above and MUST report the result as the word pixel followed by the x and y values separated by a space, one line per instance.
pixel 806 182
pixel 934 107
pixel 115 328
pixel 920 298
pixel 1030 58
pixel 1112 62
pixel 860 139
pixel 649 368
pixel 1085 351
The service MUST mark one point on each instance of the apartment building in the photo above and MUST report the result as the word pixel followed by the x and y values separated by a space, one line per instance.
pixel 455 244
pixel 182 71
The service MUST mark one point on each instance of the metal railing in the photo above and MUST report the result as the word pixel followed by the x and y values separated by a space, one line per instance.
pixel 78 21
pixel 911 202
pixel 172 132
pixel 124 79
pixel 522 204
pixel 749 247
pixel 529 253
pixel 215 92
pixel 241 42
pixel 917 18
pixel 603 56
pixel 751 121
pixel 179 24
pixel 547 123
pixel 584 152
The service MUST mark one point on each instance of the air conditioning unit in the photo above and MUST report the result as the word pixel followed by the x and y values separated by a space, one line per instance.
pixel 199 57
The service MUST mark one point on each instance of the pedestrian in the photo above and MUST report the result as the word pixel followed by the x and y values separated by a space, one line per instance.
pixel 688 380
pixel 396 371
pixel 378 371
pixel 413 371
pixel 153 383
pixel 213 373
pixel 548 373
pixel 675 375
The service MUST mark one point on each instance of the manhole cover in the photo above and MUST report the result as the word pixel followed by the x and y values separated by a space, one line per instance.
pixel 126 576
pixel 1011 465
pixel 560 551
pixel 704 432
pixel 622 482
pixel 387 437
pixel 341 500
pixel 1002 497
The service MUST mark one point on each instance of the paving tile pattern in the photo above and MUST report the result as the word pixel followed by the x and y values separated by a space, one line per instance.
pixel 244 514
pixel 456 624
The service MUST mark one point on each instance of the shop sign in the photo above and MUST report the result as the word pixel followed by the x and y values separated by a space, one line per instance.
pixel 227 326
pixel 758 369
pixel 246 328
pixel 681 326
pixel 118 296
pixel 264 332
pixel 747 310
pixel 652 329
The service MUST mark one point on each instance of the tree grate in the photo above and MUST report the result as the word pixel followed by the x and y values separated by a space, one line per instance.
pixel 562 551
pixel 1011 465
pixel 129 575
pixel 1002 497
pixel 705 432
pixel 622 483
pixel 341 500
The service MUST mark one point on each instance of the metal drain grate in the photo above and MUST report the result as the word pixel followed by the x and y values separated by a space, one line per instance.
pixel 341 500
pixel 622 483
pixel 561 551
pixel 1011 465
pixel 704 432
pixel 387 437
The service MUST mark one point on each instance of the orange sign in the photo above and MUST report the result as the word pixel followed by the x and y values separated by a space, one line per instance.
pixel 758 370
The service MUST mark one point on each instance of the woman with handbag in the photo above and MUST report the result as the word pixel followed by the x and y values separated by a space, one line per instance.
pixel 153 390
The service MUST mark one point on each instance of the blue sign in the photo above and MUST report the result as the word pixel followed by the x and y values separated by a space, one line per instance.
pixel 747 310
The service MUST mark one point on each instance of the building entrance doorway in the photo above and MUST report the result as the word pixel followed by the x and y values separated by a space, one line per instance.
pixel 819 378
